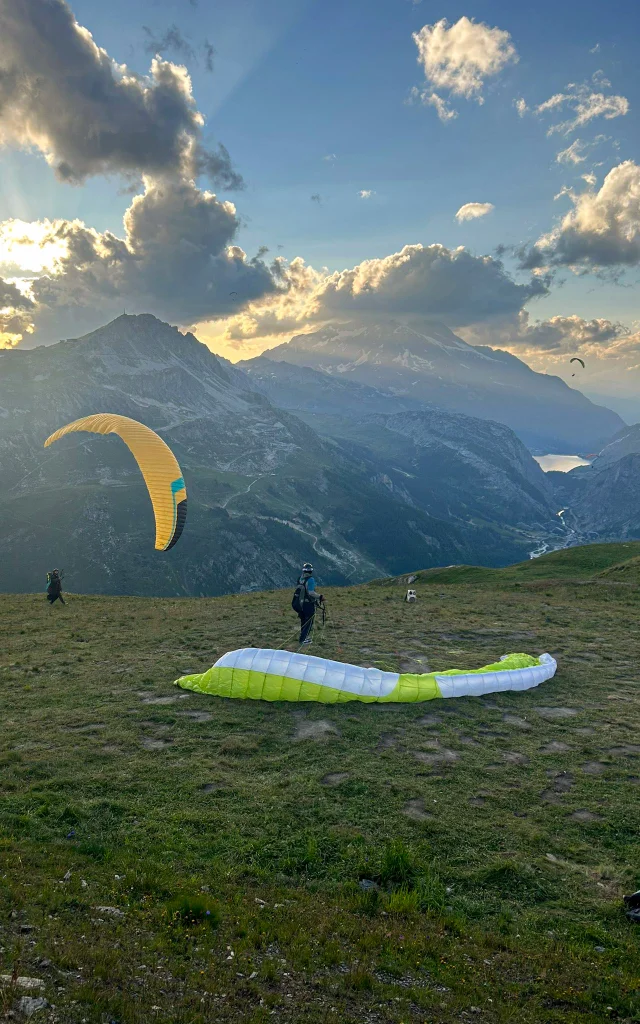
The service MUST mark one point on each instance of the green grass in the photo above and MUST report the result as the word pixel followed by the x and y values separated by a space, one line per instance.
pixel 247 876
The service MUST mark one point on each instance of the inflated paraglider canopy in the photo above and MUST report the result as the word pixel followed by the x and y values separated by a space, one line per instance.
pixel 158 466
pixel 577 359
pixel 280 675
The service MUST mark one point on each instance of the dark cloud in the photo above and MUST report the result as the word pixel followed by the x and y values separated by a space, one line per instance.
pixel 62 94
pixel 209 54
pixel 171 41
pixel 12 298
pixel 316 198
pixel 177 259
pixel 432 281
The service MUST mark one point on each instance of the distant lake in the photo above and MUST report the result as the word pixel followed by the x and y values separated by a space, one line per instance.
pixel 560 463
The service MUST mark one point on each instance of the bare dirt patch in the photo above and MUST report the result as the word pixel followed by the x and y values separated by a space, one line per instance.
pixel 443 756
pixel 514 757
pixel 555 747
pixel 315 729
pixel 415 810
pixel 556 714
pixel 151 743
pixel 196 716
pixel 593 767
pixel 334 778
pixel 585 816
pixel 430 720
pixel 416 664
pixel 520 723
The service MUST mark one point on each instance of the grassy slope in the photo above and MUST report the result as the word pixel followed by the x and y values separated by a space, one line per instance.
pixel 492 893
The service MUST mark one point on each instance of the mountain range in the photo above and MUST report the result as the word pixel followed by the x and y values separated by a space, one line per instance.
pixel 361 480
pixel 435 367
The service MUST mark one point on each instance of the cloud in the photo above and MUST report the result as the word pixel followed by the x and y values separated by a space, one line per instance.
pixel 460 57
pixel 585 104
pixel 601 230
pixel 63 95
pixel 444 111
pixel 170 40
pixel 366 193
pixel 209 54
pixel 595 49
pixel 316 198
pixel 573 153
pixel 173 41
pixel 471 211
pixel 431 281
pixel 177 258
pixel 549 344
pixel 521 106
pixel 330 157
pixel 417 284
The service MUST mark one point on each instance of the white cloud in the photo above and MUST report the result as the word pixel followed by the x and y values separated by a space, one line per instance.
pixel 595 49
pixel 521 106
pixel 471 211
pixel 330 157
pixel 573 153
pixel 462 56
pixel 601 230
pixel 585 104
pixel 445 112
pixel 366 193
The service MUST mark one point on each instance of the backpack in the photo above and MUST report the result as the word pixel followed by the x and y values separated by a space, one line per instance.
pixel 300 595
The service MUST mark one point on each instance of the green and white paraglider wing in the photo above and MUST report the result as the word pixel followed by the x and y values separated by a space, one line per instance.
pixel 263 674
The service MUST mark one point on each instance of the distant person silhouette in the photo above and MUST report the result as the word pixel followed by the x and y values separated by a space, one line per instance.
pixel 54 587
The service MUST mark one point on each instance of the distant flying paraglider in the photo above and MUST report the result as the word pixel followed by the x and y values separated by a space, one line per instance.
pixel 576 359
pixel 158 466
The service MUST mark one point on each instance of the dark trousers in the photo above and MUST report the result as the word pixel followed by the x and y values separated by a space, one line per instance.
pixel 52 598
pixel 306 617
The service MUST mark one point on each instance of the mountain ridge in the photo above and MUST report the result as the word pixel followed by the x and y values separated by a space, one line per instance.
pixel 440 369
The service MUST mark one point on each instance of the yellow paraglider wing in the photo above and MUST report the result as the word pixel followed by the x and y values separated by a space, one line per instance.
pixel 158 466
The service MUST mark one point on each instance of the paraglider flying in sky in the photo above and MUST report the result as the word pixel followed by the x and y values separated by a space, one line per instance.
pixel 576 359
pixel 158 466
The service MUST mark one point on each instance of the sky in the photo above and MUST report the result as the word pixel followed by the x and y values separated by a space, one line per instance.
pixel 475 163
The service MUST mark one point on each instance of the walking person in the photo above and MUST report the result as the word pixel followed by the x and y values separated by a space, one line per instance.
pixel 54 587
pixel 305 602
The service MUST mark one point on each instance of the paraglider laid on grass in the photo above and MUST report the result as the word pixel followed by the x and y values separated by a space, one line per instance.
pixel 158 466
pixel 280 675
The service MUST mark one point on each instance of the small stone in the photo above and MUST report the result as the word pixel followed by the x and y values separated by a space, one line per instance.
pixel 599 949
pixel 67 876
pixel 28 984
pixel 111 911
pixel 368 885
pixel 29 1005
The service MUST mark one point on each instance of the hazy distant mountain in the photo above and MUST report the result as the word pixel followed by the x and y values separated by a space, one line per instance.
pixel 437 368
pixel 457 467
pixel 266 492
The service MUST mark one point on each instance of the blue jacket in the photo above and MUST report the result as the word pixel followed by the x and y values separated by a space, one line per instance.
pixel 310 585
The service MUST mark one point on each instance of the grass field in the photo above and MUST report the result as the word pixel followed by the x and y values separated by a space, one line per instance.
pixel 168 856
